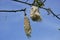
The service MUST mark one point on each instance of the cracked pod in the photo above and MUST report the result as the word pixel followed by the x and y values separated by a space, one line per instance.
pixel 35 15
pixel 27 26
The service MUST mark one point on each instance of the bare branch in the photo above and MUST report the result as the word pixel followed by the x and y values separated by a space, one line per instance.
pixel 28 3
pixel 51 12
pixel 44 1
pixel 12 10
pixel 22 2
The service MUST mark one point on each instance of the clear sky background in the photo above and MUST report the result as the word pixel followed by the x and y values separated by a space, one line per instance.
pixel 13 27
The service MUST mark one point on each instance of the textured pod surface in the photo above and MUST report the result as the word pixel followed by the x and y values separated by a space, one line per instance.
pixel 27 26
pixel 35 15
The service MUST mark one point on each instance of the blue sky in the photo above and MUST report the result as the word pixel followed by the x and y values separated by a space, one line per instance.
pixel 13 27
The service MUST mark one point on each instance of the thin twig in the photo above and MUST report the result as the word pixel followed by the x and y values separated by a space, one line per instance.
pixel 26 3
pixel 22 2
pixel 12 10
pixel 44 1
pixel 51 12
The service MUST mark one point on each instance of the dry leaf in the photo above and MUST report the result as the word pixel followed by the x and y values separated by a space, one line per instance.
pixel 27 26
pixel 35 15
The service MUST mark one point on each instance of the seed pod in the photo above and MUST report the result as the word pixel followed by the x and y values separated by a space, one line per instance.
pixel 35 15
pixel 27 26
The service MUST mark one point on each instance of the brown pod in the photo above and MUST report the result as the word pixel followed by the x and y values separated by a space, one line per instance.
pixel 35 15
pixel 27 26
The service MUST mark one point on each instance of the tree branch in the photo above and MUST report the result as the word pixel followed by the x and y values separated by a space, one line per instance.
pixel 47 9
pixel 44 1
pixel 27 3
pixel 12 10
pixel 22 2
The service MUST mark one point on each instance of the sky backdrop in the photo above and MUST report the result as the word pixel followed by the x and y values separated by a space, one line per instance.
pixel 12 28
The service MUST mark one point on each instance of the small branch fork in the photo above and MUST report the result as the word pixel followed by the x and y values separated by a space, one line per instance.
pixel 51 12
pixel 47 9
